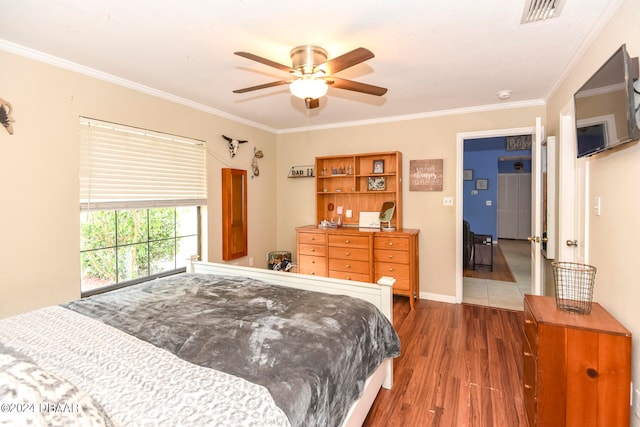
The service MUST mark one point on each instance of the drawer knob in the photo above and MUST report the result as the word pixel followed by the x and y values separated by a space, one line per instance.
pixel 313 250
pixel 592 373
pixel 347 266
pixel 528 321
pixel 312 238
pixel 313 273
pixel 527 386
pixel 390 256
pixel 390 243
pixel 347 241
pixel 313 261
pixel 390 268
pixel 526 353
pixel 347 253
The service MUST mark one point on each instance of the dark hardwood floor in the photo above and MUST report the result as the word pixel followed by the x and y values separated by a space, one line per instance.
pixel 461 365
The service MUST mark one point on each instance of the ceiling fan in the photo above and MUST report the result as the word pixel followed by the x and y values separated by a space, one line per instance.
pixel 313 74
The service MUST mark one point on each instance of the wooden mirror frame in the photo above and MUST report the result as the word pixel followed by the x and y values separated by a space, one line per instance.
pixel 234 213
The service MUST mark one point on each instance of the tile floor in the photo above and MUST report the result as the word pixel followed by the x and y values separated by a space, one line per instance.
pixel 507 295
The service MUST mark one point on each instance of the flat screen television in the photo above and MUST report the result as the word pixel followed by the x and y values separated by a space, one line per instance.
pixel 607 105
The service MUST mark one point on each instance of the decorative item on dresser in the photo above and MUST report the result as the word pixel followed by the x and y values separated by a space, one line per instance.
pixel 577 367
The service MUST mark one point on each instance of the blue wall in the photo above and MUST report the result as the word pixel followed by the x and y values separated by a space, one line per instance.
pixel 482 156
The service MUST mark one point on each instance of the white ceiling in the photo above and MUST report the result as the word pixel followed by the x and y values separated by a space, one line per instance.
pixel 431 55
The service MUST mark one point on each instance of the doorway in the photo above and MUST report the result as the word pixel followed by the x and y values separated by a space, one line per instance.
pixel 478 194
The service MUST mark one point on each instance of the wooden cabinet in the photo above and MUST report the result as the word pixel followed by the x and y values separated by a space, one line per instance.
pixel 366 256
pixel 577 367
pixel 358 183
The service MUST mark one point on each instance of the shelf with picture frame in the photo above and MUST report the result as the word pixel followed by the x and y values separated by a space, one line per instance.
pixel 358 183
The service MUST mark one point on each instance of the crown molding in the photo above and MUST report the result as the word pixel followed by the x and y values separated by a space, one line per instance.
pixel 87 71
pixel 425 115
pixel 91 72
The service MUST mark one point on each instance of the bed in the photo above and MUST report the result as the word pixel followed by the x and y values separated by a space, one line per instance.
pixel 218 345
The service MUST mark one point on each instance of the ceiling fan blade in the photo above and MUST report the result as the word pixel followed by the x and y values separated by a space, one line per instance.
pixel 312 103
pixel 355 86
pixel 266 61
pixel 263 86
pixel 347 60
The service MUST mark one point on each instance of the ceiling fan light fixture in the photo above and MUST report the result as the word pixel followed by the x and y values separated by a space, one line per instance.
pixel 308 87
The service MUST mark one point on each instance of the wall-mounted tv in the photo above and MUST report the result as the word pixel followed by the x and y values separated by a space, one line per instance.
pixel 607 105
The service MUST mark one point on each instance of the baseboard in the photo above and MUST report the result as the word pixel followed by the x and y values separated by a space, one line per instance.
pixel 438 297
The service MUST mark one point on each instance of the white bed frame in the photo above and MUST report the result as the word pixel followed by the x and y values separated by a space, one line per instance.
pixel 380 295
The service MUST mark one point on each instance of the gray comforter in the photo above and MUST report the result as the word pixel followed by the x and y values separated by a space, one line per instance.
pixel 312 351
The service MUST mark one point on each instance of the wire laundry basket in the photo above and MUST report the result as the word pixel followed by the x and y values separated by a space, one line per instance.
pixel 574 286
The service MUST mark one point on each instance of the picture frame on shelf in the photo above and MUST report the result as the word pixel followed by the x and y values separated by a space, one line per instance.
pixel 467 175
pixel 378 166
pixel 376 183
pixel 482 184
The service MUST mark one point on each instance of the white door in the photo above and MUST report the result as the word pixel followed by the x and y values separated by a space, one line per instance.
pixel 514 205
pixel 536 209
pixel 572 194
pixel 508 206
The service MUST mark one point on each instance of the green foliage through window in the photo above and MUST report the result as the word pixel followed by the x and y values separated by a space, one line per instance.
pixel 124 245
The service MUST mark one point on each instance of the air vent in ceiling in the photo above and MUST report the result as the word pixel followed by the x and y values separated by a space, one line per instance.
pixel 539 10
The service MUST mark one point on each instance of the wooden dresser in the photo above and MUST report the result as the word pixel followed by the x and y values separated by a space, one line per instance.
pixel 577 367
pixel 366 256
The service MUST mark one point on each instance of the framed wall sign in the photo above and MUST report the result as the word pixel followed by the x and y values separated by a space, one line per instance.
pixel 482 184
pixel 519 142
pixel 467 175
pixel 426 175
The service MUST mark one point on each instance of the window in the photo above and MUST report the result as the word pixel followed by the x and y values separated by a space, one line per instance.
pixel 140 193
pixel 123 246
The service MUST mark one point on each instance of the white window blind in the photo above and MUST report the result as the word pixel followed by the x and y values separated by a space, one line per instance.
pixel 126 168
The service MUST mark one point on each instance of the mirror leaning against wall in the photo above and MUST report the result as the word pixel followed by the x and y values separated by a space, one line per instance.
pixel 386 213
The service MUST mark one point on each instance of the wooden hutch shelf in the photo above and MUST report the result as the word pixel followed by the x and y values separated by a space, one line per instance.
pixel 351 181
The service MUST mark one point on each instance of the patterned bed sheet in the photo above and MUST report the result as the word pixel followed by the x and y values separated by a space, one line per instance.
pixel 60 368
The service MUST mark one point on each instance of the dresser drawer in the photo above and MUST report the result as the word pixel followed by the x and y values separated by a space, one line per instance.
pixel 349 276
pixel 312 265
pixel 349 253
pixel 313 238
pixel 400 272
pixel 395 243
pixel 349 265
pixel 348 240
pixel 386 255
pixel 315 250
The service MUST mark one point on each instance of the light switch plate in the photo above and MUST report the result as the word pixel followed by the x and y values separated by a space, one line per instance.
pixel 447 201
